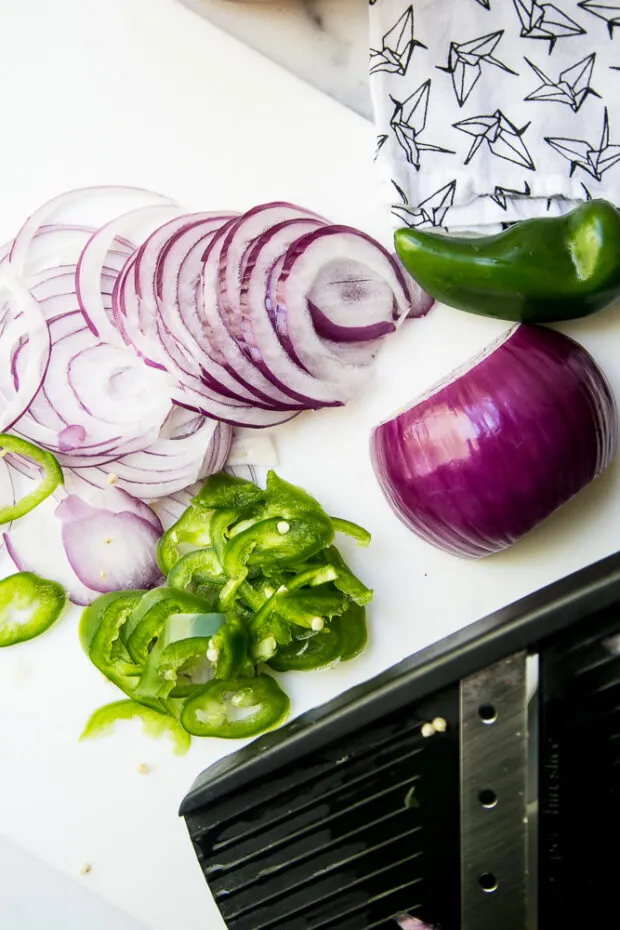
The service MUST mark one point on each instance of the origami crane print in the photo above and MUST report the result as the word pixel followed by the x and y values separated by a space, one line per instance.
pixel 430 212
pixel 572 86
pixel 381 140
pixel 465 61
pixel 502 137
pixel 408 122
pixel 485 3
pixel 545 21
pixel 594 160
pixel 396 48
pixel 609 12
pixel 501 194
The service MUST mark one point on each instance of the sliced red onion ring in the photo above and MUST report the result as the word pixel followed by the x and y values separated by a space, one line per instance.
pixel 53 245
pixel 24 349
pixel 95 257
pixel 130 342
pixel 309 266
pixel 34 544
pixel 170 508
pixel 198 309
pixel 22 243
pixel 136 302
pixel 421 302
pixel 119 402
pixel 236 239
pixel 341 293
pixel 108 551
pixel 261 341
pixel 487 455
pixel 178 274
pixel 48 286
pixel 173 462
pixel 190 391
pixel 114 500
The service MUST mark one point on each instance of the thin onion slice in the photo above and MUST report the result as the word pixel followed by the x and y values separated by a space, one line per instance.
pixel 185 330
pixel 119 402
pixel 95 256
pixel 172 463
pixel 24 349
pixel 201 315
pixel 377 299
pixel 170 508
pixel 22 243
pixel 237 237
pixel 260 338
pixel 34 544
pixel 484 457
pixel 114 500
pixel 108 551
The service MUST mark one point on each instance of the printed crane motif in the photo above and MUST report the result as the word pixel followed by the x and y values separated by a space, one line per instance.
pixel 408 122
pixel 572 86
pixel 593 159
pixel 465 61
pixel 609 12
pixel 545 21
pixel 397 47
pixel 430 212
pixel 502 137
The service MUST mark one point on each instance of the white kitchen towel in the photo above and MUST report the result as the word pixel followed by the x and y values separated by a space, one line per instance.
pixel 490 111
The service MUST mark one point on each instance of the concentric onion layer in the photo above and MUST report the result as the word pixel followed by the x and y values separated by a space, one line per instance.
pixel 485 457
pixel 134 336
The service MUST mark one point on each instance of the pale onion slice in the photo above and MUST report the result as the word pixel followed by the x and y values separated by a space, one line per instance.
pixel 108 551
pixel 24 349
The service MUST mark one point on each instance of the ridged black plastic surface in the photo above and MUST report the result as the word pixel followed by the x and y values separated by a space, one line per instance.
pixel 580 774
pixel 346 839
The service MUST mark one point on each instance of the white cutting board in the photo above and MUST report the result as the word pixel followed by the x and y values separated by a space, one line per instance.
pixel 143 92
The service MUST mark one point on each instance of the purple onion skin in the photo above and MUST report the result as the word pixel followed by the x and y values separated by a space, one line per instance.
pixel 483 460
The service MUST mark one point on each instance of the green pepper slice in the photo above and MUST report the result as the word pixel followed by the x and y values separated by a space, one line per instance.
pixel 231 649
pixel 101 635
pixel 345 580
pixel 235 709
pixel 29 605
pixel 345 639
pixel 51 476
pixel 191 531
pixel 148 618
pixel 308 651
pixel 154 723
pixel 358 533
pixel 288 500
pixel 198 571
pixel 273 544
pixel 227 492
pixel 352 630
pixel 180 654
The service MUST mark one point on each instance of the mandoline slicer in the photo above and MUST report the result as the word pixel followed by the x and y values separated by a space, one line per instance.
pixel 474 786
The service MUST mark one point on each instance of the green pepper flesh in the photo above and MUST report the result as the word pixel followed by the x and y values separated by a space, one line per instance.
pixel 542 270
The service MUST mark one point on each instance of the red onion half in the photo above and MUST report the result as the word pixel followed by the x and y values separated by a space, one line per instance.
pixel 486 456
